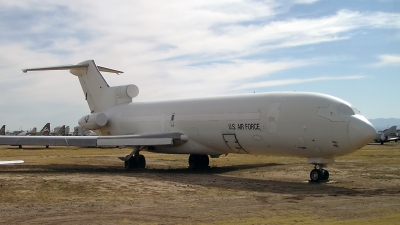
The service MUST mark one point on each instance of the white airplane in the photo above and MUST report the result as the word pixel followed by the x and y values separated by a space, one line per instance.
pixel 11 162
pixel 315 126
pixel 387 135
pixel 80 131
pixel 25 133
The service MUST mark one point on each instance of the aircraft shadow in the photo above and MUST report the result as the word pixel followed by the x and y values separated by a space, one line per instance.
pixel 79 168
pixel 212 177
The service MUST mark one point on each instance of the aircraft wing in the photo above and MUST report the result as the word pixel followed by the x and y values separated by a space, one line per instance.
pixel 97 141
pixel 392 139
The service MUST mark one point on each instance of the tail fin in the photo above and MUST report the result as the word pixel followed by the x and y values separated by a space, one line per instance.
pixel 61 131
pixel 45 130
pixel 98 94
pixel 3 130
pixel 32 132
pixel 390 131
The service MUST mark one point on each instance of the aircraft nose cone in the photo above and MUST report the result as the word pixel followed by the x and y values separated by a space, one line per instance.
pixel 361 131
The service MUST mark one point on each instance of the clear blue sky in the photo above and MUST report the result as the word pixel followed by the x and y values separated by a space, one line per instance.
pixel 182 49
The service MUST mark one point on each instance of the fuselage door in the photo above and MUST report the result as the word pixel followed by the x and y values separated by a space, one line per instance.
pixel 172 122
pixel 232 142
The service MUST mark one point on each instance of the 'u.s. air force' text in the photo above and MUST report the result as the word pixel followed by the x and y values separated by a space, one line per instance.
pixel 244 126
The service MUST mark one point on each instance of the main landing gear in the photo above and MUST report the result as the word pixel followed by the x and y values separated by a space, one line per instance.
pixel 134 160
pixel 319 174
pixel 198 161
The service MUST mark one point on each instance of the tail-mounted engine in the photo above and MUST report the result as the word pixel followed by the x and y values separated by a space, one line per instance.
pixel 125 93
pixel 93 121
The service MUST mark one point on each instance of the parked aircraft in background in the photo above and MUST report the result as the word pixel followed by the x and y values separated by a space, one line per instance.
pixel 45 131
pixel 59 131
pixel 387 135
pixel 80 131
pixel 315 126
pixel 25 133
pixel 11 162
pixel 3 130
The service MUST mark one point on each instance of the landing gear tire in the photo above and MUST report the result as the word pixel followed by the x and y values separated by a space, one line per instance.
pixel 315 175
pixel 325 175
pixel 130 163
pixel 133 162
pixel 198 161
pixel 141 162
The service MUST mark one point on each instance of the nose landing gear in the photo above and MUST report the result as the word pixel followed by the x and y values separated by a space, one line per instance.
pixel 319 174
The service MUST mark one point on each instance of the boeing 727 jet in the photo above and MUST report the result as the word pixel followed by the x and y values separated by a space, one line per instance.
pixel 314 126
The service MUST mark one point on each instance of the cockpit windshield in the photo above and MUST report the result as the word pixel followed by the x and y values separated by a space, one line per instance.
pixel 345 110
pixel 356 111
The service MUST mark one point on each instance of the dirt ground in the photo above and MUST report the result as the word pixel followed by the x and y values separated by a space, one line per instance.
pixel 90 186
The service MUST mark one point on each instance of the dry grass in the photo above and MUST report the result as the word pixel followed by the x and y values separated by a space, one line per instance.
pixel 78 186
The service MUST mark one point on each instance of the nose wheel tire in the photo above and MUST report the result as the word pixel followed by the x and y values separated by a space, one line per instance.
pixel 317 175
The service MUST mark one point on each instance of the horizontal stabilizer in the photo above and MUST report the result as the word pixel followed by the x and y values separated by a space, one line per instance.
pixel 69 67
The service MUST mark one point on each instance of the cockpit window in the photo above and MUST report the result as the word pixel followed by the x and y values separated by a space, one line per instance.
pixel 356 111
pixel 345 110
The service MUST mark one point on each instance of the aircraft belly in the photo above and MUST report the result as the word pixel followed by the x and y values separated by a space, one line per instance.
pixel 190 147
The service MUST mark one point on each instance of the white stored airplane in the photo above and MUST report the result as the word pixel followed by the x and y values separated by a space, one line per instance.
pixel 315 126
pixel 11 162
pixel 387 135
pixel 25 133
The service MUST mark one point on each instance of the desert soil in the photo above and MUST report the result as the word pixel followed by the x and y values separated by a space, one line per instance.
pixel 90 186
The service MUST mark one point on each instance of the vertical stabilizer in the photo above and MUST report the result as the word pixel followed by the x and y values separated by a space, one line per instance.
pixel 61 131
pixel 45 130
pixel 390 131
pixel 95 88
pixel 3 130
pixel 98 94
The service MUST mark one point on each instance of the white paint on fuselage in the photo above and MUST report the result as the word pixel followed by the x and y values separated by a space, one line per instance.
pixel 283 124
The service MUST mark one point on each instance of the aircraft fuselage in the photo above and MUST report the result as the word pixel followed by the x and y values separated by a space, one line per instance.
pixel 284 124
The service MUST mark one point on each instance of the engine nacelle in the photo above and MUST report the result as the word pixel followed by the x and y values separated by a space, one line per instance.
pixel 127 91
pixel 124 94
pixel 93 121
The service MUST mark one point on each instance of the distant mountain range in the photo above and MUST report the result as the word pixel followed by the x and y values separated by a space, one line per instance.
pixel 383 123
